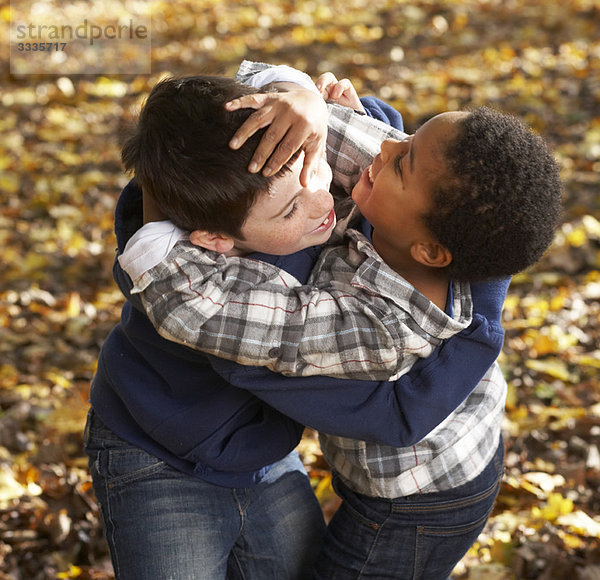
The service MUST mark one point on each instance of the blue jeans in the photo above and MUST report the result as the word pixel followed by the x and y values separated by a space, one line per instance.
pixel 421 537
pixel 161 523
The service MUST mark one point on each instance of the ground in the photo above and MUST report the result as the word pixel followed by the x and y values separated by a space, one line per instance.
pixel 60 176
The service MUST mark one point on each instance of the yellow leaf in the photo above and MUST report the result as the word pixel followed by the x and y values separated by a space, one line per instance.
pixel 73 305
pixel 556 506
pixel 34 261
pixel 577 237
pixel 591 359
pixel 58 379
pixel 9 183
pixel 571 541
pixel 72 572
pixel 5 15
pixel 9 376
pixel 546 482
pixel 554 367
pixel 10 488
pixel 549 339
pixel 324 490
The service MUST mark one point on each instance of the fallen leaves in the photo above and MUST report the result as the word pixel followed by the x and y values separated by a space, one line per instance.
pixel 60 176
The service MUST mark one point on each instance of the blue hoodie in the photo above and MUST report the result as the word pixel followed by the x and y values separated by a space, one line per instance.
pixel 226 423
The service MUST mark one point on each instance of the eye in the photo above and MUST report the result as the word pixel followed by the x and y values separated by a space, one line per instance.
pixel 288 215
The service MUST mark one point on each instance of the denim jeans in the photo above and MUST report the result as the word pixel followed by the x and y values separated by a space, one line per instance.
pixel 421 537
pixel 161 523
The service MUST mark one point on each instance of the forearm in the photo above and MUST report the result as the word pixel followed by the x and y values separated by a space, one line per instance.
pixel 258 315
pixel 398 413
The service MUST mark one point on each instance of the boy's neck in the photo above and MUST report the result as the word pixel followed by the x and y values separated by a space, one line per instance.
pixel 431 282
pixel 150 209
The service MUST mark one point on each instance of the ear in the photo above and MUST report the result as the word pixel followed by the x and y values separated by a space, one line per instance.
pixel 210 241
pixel 431 254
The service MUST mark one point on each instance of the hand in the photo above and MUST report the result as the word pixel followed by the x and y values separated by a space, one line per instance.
pixel 488 298
pixel 340 92
pixel 297 119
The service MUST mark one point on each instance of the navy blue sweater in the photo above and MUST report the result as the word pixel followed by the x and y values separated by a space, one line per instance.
pixel 227 424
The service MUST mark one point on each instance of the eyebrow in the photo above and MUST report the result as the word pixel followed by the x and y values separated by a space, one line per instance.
pixel 411 156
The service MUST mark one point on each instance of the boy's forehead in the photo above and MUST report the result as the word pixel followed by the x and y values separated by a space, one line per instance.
pixel 438 130
pixel 285 186
pixel 445 119
pixel 282 187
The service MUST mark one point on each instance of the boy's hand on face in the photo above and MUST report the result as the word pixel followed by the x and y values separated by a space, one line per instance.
pixel 340 92
pixel 296 119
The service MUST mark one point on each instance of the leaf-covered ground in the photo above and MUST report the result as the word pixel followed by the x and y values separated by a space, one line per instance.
pixel 60 177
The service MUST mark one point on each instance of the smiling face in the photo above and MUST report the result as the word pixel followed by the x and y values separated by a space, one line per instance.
pixel 290 217
pixel 394 192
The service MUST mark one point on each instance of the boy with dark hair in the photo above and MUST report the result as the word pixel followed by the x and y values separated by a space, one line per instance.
pixel 170 152
pixel 168 432
pixel 499 202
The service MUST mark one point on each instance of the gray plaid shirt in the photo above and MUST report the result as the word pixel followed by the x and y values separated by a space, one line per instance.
pixel 355 317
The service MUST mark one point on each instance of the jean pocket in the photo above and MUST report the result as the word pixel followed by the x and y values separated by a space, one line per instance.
pixel 121 466
pixel 439 548
pixel 350 514
pixel 457 529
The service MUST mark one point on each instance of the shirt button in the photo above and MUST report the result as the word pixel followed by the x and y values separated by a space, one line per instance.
pixel 275 352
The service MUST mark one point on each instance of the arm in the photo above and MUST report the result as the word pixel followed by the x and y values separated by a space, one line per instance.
pixel 289 132
pixel 398 413
pixel 354 319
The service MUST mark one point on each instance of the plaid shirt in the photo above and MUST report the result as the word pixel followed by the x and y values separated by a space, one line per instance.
pixel 356 317
pixel 455 452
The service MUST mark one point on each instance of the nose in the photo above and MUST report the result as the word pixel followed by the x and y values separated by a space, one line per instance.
pixel 387 149
pixel 391 147
pixel 321 202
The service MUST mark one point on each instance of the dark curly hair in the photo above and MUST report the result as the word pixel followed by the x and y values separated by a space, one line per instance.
pixel 498 204
pixel 180 155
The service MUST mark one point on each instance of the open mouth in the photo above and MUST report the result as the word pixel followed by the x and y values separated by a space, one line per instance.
pixel 327 223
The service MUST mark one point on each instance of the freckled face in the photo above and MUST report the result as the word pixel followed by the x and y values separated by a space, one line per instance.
pixel 290 217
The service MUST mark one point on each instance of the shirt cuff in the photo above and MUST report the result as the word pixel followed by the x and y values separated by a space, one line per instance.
pixel 282 74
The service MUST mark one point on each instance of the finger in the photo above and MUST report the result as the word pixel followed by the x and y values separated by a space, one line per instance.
pixel 341 88
pixel 251 125
pixel 312 158
pixel 254 101
pixel 327 78
pixel 345 86
pixel 324 84
pixel 324 93
pixel 336 92
pixel 274 146
pixel 284 151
